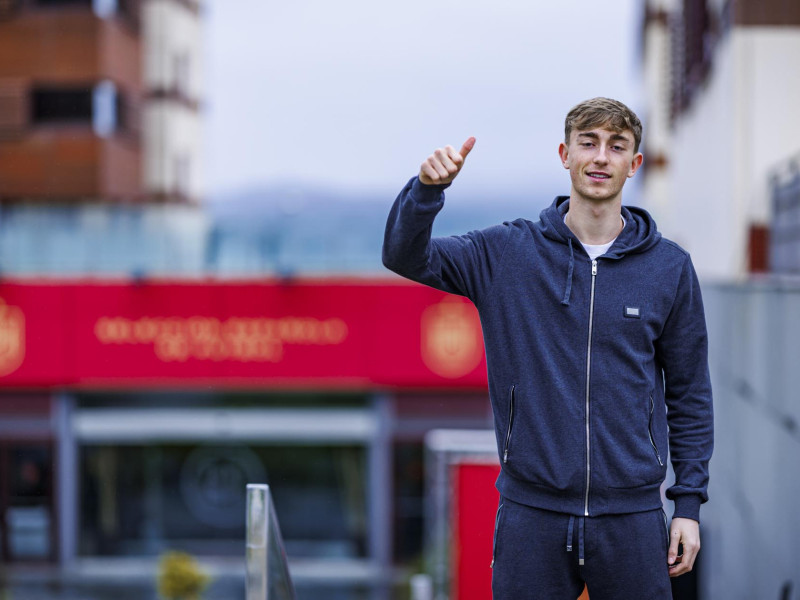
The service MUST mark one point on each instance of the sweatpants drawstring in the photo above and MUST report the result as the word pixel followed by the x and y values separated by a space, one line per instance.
pixel 569 533
pixel 570 528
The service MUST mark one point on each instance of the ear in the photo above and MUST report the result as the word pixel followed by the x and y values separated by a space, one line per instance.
pixel 563 152
pixel 635 164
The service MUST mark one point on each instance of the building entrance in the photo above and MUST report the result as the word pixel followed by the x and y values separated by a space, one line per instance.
pixel 27 521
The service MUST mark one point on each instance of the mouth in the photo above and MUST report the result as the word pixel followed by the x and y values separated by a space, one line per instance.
pixel 599 175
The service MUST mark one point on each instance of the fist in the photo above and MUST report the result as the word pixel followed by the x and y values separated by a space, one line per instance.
pixel 444 164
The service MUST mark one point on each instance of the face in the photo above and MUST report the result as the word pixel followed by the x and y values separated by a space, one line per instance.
pixel 599 162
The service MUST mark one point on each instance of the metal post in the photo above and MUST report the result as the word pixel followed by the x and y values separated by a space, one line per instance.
pixel 379 494
pixel 67 480
pixel 257 529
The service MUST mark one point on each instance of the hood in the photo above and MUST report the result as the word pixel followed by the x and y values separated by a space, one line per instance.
pixel 639 234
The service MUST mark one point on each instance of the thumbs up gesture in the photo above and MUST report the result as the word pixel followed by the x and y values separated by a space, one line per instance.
pixel 444 164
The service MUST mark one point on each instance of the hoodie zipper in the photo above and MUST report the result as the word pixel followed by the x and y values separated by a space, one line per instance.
pixel 650 432
pixel 588 377
pixel 510 423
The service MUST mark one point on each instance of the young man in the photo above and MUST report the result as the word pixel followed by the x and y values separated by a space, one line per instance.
pixel 597 356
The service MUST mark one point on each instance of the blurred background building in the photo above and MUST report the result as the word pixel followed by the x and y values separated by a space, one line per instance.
pixel 721 116
pixel 722 178
pixel 99 137
pixel 156 356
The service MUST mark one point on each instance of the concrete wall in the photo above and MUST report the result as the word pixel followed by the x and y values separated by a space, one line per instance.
pixel 704 213
pixel 751 525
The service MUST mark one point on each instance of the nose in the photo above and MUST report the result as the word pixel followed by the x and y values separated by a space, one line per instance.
pixel 601 157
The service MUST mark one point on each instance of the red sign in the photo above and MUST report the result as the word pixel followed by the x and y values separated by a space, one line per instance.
pixel 301 334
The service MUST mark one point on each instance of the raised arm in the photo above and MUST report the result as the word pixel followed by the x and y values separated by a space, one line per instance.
pixel 459 264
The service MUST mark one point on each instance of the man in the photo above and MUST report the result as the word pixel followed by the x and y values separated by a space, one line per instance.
pixel 597 356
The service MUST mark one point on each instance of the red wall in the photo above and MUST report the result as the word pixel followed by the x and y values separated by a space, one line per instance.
pixel 475 508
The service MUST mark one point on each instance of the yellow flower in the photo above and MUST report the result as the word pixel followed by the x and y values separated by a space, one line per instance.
pixel 180 577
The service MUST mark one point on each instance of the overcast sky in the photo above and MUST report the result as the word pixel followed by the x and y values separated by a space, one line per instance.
pixel 354 94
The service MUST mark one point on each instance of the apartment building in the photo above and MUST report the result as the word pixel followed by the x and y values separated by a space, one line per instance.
pixel 99 101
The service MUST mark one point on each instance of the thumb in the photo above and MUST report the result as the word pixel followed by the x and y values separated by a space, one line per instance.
pixel 467 147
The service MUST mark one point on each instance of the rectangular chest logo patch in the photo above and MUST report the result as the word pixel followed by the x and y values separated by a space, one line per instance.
pixel 632 312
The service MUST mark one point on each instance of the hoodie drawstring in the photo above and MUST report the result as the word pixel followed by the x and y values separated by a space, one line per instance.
pixel 568 288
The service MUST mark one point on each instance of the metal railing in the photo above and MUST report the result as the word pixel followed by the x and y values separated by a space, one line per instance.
pixel 267 575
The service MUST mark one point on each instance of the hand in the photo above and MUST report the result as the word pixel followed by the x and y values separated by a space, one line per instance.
pixel 687 533
pixel 444 164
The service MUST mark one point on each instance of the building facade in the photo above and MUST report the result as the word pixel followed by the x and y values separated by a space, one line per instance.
pixel 720 119
pixel 70 95
pixel 99 101
pixel 133 414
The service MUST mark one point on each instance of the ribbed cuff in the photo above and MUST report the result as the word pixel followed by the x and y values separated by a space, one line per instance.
pixel 687 506
pixel 427 194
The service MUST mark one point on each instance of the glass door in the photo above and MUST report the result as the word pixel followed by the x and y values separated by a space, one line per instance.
pixel 27 523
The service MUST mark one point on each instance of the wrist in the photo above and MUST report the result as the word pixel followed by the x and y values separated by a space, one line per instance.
pixel 428 187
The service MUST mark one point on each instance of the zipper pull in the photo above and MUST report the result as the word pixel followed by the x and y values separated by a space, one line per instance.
pixel 594 268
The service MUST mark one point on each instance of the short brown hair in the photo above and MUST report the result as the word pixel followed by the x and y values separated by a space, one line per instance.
pixel 603 112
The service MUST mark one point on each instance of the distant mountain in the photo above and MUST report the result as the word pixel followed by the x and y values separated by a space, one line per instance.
pixel 304 229
pixel 288 203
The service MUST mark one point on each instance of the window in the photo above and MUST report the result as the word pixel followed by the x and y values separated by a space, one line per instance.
pixel 64 2
pixel 62 105
pixel 136 499
pixel 99 106
pixel 409 501
pixel 26 492
pixel 105 114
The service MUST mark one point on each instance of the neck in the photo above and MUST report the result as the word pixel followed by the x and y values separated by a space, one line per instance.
pixel 594 222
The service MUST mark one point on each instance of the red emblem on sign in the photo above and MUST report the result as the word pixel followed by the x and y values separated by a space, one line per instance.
pixel 12 338
pixel 452 345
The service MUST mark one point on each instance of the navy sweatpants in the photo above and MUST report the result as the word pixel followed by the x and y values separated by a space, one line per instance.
pixel 540 554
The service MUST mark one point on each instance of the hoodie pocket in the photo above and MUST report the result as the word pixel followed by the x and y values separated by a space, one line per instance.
pixel 650 432
pixel 507 445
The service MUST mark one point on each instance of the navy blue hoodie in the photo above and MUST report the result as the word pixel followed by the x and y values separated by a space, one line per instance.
pixel 596 368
